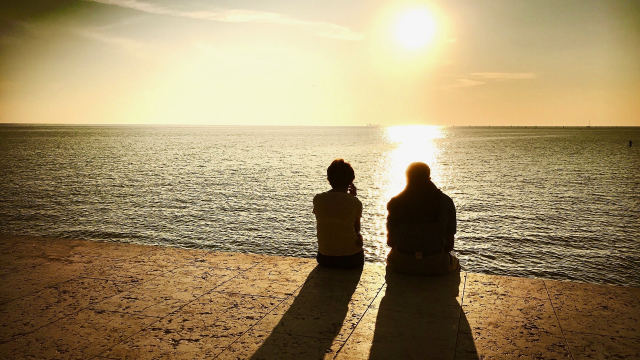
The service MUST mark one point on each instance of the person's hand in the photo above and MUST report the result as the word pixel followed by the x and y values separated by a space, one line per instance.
pixel 352 190
pixel 359 241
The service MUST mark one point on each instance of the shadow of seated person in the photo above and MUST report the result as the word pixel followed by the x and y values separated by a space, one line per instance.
pixel 306 325
pixel 419 317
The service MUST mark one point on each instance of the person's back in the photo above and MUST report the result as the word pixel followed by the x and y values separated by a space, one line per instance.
pixel 420 227
pixel 338 214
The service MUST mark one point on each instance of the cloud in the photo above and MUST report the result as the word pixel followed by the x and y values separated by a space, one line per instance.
pixel 45 32
pixel 465 83
pixel 481 78
pixel 504 76
pixel 242 16
pixel 128 44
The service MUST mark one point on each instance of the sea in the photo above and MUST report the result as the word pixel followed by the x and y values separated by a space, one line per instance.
pixel 555 203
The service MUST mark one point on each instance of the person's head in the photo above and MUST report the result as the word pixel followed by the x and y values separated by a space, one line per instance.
pixel 340 174
pixel 418 174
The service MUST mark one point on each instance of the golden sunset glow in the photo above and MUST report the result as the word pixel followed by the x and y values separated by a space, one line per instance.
pixel 311 63
pixel 416 29
pixel 414 143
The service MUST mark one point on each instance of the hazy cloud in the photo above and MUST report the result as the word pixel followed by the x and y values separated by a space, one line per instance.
pixel 242 16
pixel 47 32
pixel 504 76
pixel 128 44
pixel 465 83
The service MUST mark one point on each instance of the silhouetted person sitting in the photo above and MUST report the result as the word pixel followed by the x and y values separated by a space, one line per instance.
pixel 420 227
pixel 338 214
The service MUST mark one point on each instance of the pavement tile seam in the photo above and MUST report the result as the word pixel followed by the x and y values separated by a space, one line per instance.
pixel 260 296
pixel 124 339
pixel 159 319
pixel 555 313
pixel 603 335
pixel 3 302
pixel 179 308
pixel 127 313
pixel 460 314
pixel 464 287
pixel 251 328
pixel 359 320
pixel 61 284
pixel 17 336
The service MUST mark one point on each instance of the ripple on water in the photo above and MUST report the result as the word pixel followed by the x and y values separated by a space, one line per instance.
pixel 553 203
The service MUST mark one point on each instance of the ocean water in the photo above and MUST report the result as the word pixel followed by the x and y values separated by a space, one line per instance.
pixel 535 202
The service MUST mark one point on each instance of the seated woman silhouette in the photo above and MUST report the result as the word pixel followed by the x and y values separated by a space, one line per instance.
pixel 338 214
pixel 420 227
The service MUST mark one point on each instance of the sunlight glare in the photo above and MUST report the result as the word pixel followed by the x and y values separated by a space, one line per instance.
pixel 416 29
pixel 414 143
pixel 411 143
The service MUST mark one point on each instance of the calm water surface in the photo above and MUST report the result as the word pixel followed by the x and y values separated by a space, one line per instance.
pixel 534 202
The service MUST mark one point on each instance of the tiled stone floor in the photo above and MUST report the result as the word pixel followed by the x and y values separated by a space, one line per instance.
pixel 72 299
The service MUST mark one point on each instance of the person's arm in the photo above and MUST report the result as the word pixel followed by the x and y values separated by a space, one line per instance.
pixel 452 224
pixel 450 240
pixel 353 191
pixel 390 228
pixel 359 241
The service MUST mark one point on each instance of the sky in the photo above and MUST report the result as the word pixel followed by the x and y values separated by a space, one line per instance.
pixel 321 62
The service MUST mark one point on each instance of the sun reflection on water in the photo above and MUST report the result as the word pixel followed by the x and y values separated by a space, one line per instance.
pixel 412 143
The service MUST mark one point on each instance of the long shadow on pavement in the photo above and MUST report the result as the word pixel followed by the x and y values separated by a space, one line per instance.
pixel 417 318
pixel 320 313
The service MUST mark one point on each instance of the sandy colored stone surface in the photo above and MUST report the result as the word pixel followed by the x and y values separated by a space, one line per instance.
pixel 82 335
pixel 484 285
pixel 201 330
pixel 528 312
pixel 17 284
pixel 439 296
pixel 74 299
pixel 386 334
pixel 36 310
pixel 591 346
pixel 261 345
pixel 510 341
pixel 603 310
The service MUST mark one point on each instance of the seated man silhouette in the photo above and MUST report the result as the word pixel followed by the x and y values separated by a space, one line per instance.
pixel 421 226
pixel 338 214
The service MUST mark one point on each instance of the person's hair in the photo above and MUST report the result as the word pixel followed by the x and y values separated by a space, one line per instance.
pixel 340 173
pixel 418 175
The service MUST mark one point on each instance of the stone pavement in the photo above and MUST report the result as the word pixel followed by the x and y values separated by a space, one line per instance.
pixel 73 299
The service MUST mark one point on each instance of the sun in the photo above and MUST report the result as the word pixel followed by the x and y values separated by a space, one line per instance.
pixel 416 29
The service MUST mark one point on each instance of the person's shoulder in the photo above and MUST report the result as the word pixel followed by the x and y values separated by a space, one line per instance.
pixel 392 201
pixel 446 199
pixel 357 201
pixel 396 201
pixel 319 197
